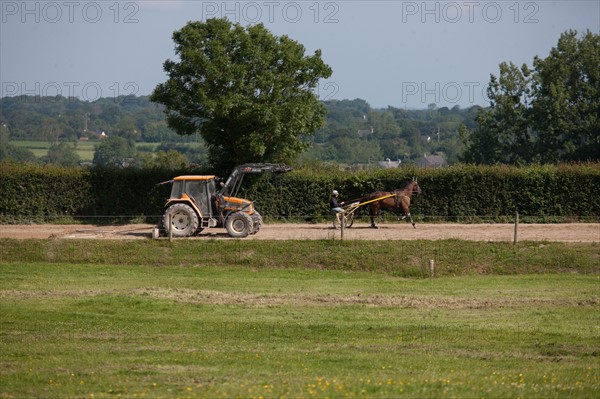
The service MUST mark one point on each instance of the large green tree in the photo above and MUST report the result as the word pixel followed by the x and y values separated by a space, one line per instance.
pixel 503 134
pixel 566 110
pixel 62 154
pixel 115 152
pixel 249 93
pixel 548 114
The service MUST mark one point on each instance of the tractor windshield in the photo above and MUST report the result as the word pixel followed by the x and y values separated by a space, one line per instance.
pixel 177 189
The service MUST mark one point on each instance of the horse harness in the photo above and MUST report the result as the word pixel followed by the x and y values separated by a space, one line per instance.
pixel 396 198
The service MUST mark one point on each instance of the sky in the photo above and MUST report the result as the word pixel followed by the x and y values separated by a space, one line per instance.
pixel 404 54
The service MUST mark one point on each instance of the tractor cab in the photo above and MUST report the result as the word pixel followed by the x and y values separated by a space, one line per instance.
pixel 195 203
pixel 199 190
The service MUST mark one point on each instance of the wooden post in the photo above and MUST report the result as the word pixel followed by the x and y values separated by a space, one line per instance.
pixel 342 226
pixel 516 227
pixel 170 227
pixel 431 267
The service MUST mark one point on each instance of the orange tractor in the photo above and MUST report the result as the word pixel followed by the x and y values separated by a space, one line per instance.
pixel 195 204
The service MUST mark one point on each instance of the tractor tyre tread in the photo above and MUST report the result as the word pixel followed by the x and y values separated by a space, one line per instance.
pixel 187 223
pixel 239 225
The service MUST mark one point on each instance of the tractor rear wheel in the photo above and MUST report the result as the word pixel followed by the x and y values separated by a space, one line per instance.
pixel 239 225
pixel 184 220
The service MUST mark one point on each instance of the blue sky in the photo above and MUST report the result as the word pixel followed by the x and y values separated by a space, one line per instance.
pixel 405 54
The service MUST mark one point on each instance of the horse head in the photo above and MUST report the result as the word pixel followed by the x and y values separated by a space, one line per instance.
pixel 416 187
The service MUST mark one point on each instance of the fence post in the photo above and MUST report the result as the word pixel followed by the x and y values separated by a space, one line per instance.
pixel 516 227
pixel 170 227
pixel 342 226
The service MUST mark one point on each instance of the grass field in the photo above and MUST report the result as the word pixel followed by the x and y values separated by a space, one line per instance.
pixel 298 319
pixel 85 149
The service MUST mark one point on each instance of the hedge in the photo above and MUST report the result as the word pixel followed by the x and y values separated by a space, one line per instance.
pixel 33 193
pixel 30 191
pixel 462 192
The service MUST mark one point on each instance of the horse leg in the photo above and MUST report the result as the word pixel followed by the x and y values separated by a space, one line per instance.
pixel 373 224
pixel 406 212
pixel 372 214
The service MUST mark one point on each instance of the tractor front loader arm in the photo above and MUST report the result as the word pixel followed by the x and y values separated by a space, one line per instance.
pixel 233 183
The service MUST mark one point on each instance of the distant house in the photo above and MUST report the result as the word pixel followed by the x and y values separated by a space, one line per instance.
pixel 389 164
pixel 431 161
pixel 365 132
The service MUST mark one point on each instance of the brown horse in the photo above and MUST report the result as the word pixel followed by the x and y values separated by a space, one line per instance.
pixel 398 203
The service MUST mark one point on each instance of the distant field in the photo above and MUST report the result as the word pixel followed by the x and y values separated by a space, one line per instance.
pixel 274 320
pixel 85 149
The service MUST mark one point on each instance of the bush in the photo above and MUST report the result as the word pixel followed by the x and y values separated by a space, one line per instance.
pixel 462 192
pixel 33 193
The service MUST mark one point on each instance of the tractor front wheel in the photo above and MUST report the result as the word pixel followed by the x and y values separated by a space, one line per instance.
pixel 184 221
pixel 239 225
pixel 256 222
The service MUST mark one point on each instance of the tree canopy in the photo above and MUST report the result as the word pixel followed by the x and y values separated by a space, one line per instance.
pixel 61 153
pixel 547 114
pixel 249 93
pixel 115 152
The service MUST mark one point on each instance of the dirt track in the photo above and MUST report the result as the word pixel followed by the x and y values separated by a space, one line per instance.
pixel 575 232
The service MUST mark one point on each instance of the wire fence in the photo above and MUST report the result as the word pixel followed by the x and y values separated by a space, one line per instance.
pixel 269 219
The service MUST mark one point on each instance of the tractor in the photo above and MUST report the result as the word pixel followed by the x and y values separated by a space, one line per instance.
pixel 195 203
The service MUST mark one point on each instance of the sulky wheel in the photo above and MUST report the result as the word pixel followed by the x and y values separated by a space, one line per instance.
pixel 239 225
pixel 350 219
pixel 341 219
pixel 184 221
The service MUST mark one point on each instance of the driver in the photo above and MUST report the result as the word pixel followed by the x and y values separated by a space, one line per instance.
pixel 335 206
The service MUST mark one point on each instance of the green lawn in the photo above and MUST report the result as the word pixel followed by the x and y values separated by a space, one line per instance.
pixel 138 328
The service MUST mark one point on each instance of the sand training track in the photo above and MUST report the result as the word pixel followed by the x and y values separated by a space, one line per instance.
pixel 573 232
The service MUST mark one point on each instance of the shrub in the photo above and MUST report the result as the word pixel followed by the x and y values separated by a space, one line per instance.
pixel 464 192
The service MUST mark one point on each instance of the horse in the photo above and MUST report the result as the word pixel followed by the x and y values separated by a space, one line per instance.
pixel 399 202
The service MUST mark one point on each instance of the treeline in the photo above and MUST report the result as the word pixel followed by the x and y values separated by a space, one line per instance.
pixel 355 133
pixel 67 119
pixel 34 193
pixel 546 113
pixel 118 128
